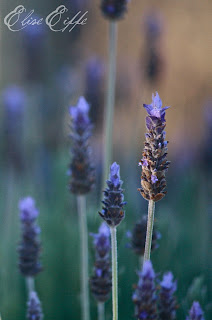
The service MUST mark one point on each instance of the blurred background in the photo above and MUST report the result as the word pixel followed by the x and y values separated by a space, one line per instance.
pixel 164 46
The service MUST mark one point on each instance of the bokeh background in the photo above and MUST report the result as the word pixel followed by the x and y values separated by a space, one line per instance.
pixel 164 46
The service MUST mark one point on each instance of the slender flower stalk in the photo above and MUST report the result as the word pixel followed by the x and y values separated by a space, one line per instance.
pixel 101 311
pixel 82 182
pixel 81 203
pixel 110 98
pixel 154 163
pixel 29 247
pixel 114 272
pixel 112 10
pixel 149 231
pixel 113 214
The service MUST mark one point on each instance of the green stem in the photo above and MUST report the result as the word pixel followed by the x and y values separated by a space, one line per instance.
pixel 30 283
pixel 114 272
pixel 81 203
pixel 150 223
pixel 101 311
pixel 110 99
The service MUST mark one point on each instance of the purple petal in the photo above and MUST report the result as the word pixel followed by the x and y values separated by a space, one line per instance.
pixel 115 174
pixel 154 178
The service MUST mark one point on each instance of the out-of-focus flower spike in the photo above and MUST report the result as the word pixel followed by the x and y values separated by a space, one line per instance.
pixel 14 101
pixel 94 89
pixel 154 162
pixel 81 168
pixel 144 297
pixel 138 237
pixel 196 312
pixel 29 247
pixel 34 310
pixel 101 281
pixel 167 300
pixel 114 9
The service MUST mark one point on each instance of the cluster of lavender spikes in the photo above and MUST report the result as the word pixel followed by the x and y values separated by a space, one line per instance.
pixel 112 212
pixel 81 169
pixel 148 303
pixel 154 163
pixel 138 237
pixel 101 281
pixel 114 9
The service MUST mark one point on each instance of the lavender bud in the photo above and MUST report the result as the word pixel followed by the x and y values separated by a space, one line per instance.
pixel 144 296
pixel 81 169
pixel 29 247
pixel 138 237
pixel 114 9
pixel 112 211
pixel 195 312
pixel 167 301
pixel 154 163
pixel 101 281
pixel 34 310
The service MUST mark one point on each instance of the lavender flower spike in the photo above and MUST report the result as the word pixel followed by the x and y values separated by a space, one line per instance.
pixel 112 211
pixel 195 312
pixel 81 168
pixel 34 310
pixel 167 301
pixel 138 237
pixel 144 296
pixel 101 281
pixel 114 9
pixel 29 247
pixel 154 162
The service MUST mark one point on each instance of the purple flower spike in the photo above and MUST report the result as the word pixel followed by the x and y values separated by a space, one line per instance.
pixel 102 240
pixel 34 310
pixel 29 247
pixel 196 312
pixel 144 297
pixel 101 281
pixel 112 211
pixel 138 237
pixel 167 301
pixel 81 168
pixel 154 162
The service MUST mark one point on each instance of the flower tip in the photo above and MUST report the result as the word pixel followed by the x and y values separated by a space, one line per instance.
pixel 115 173
pixel 104 229
pixel 148 269
pixel 26 203
pixel 167 281
pixel 196 311
pixel 83 105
